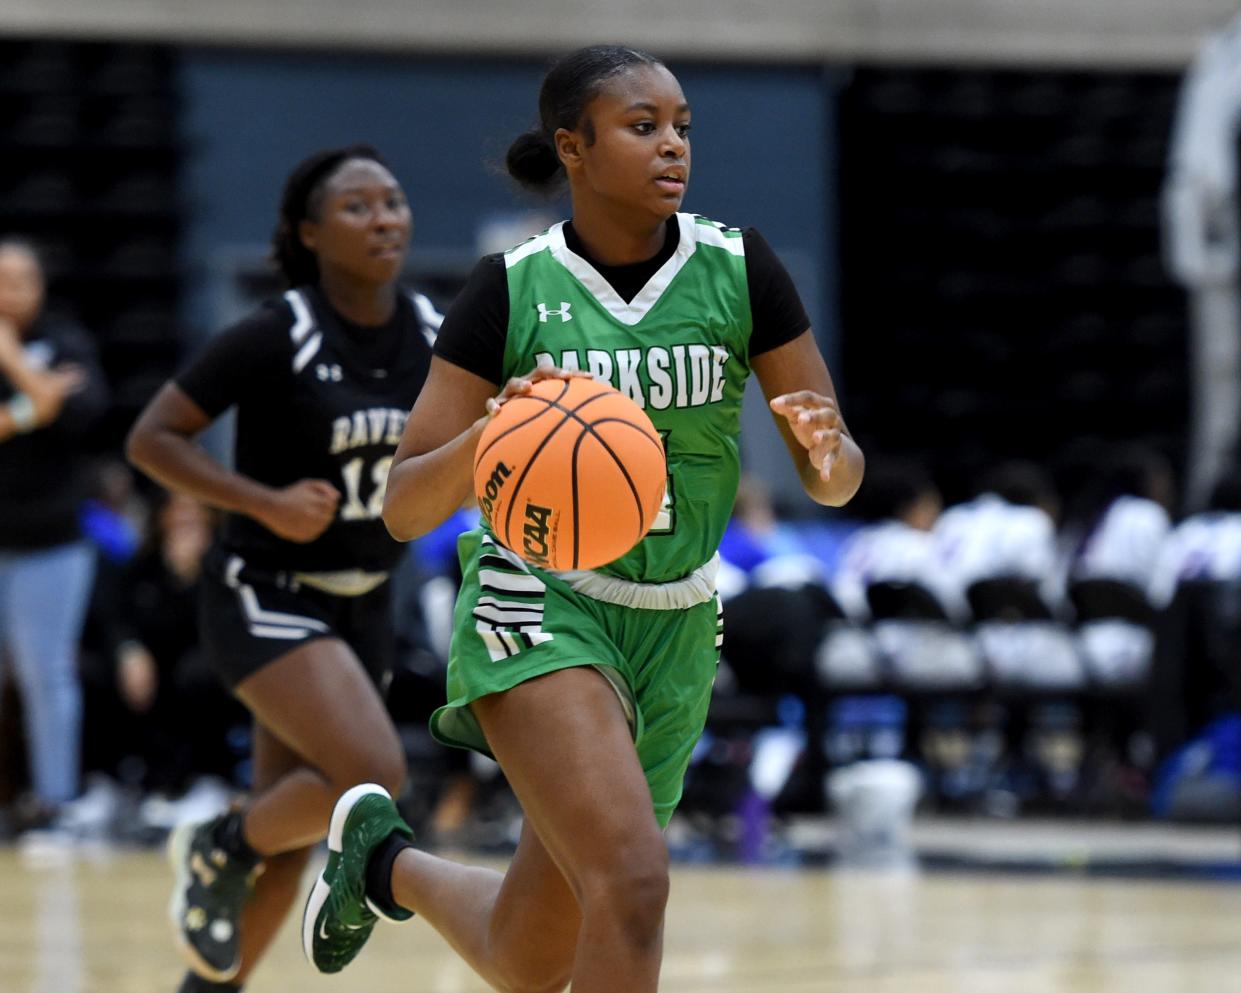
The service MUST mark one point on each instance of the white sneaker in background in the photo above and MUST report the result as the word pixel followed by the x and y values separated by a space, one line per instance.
pixel 92 814
pixel 206 797
pixel 47 847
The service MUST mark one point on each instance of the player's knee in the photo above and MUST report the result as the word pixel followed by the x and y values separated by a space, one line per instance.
pixel 640 898
pixel 633 886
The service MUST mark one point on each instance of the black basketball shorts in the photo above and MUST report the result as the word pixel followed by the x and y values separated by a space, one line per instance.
pixel 249 617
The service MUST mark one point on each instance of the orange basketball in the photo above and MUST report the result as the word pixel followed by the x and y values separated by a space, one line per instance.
pixel 571 474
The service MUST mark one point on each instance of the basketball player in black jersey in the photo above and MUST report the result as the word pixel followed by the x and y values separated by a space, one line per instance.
pixel 295 610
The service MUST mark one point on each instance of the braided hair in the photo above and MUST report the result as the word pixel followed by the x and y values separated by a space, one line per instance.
pixel 570 85
pixel 301 200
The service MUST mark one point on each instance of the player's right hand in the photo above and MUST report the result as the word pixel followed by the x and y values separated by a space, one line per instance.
pixel 518 385
pixel 301 512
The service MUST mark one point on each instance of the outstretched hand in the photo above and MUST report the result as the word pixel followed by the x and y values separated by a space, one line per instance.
pixel 816 424
pixel 519 385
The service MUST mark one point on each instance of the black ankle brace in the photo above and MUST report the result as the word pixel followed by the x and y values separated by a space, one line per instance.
pixel 379 873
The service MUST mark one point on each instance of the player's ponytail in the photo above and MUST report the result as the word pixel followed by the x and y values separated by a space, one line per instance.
pixel 533 162
pixel 570 85
pixel 300 201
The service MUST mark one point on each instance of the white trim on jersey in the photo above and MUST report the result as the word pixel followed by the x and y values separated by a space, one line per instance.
pixel 711 233
pixel 431 318
pixel 307 352
pixel 303 324
pixel 692 233
pixel 531 247
pixel 632 312
pixel 303 316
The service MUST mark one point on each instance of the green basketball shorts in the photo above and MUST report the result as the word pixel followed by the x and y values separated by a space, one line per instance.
pixel 514 622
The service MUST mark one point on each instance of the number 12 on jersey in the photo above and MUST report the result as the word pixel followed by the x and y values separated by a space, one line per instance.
pixel 353 508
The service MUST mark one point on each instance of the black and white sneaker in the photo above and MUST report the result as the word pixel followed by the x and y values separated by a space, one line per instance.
pixel 212 888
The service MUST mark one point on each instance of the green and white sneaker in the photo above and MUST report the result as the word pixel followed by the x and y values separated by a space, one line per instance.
pixel 339 916
pixel 210 892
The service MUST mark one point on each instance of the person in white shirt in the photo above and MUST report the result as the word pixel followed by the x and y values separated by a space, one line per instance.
pixel 1008 530
pixel 901 504
pixel 1121 519
pixel 1203 546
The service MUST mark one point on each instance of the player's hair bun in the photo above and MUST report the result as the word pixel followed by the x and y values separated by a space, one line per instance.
pixel 533 162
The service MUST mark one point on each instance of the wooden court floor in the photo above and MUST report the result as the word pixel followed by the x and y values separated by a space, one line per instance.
pixel 96 925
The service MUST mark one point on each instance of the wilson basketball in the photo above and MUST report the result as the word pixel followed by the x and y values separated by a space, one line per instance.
pixel 571 474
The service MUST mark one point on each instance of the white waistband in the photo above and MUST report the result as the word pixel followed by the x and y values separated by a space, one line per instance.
pixel 698 587
pixel 343 582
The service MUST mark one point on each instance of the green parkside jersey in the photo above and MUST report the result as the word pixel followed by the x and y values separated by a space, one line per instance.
pixel 679 350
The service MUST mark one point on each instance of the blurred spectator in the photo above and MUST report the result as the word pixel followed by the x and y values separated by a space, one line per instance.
pixel 156 716
pixel 1008 530
pixel 1206 545
pixel 1120 520
pixel 755 532
pixel 114 517
pixel 901 504
pixel 51 390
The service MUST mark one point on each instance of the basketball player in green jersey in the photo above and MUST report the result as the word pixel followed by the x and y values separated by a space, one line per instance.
pixel 589 688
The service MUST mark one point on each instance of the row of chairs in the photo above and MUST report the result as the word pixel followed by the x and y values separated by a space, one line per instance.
pixel 1013 642
pixel 1019 703
pixel 1173 669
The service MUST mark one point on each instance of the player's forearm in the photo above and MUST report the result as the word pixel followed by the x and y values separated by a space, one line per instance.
pixel 425 490
pixel 178 464
pixel 845 478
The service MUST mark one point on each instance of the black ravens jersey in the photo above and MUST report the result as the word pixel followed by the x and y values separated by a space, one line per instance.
pixel 317 397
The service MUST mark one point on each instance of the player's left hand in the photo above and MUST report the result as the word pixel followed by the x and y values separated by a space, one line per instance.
pixel 815 423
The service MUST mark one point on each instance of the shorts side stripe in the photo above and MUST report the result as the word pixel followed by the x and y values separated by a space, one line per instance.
pixel 514 582
pixel 508 626
pixel 262 623
pixel 287 634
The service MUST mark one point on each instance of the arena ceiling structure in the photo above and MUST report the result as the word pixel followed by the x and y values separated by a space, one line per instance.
pixel 1098 33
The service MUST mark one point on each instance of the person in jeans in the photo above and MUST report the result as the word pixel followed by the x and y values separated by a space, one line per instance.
pixel 51 391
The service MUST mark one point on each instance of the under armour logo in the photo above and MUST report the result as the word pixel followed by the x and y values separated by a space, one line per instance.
pixel 562 313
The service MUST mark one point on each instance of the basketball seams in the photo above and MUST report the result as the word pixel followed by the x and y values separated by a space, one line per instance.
pixel 534 456
pixel 633 489
pixel 577 517
pixel 630 424
pixel 478 456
